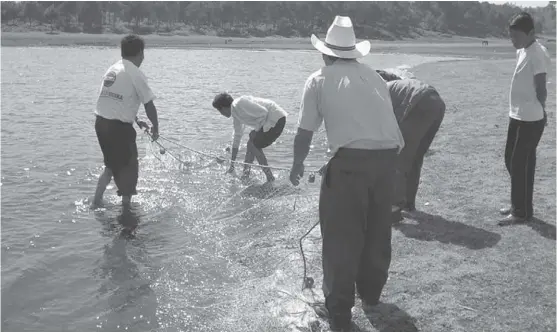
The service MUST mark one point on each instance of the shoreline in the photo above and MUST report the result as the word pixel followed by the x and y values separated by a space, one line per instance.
pixel 456 46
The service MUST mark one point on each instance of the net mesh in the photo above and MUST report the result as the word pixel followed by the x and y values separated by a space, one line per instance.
pixel 254 230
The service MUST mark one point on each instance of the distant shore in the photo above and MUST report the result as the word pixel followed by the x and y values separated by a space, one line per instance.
pixel 448 46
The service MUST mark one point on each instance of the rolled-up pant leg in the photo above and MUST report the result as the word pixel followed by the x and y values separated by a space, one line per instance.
pixel 127 174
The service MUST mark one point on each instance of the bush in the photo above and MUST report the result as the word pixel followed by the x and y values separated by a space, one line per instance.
pixel 144 30
pixel 120 29
pixel 70 28
pixel 257 33
pixel 232 32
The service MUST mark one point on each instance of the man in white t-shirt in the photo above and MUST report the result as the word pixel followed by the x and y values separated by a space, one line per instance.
pixel 123 90
pixel 356 189
pixel 266 118
pixel 527 117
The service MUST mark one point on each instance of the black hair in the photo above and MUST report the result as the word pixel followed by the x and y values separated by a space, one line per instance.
pixel 131 45
pixel 387 76
pixel 522 22
pixel 222 100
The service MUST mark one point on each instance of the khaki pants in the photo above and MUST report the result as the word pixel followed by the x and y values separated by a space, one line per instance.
pixel 355 217
pixel 418 128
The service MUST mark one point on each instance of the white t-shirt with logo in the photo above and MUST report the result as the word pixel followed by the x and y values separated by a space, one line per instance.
pixel 524 103
pixel 123 90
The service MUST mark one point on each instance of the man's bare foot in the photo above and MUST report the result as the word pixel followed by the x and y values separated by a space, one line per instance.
pixel 98 202
pixel 269 175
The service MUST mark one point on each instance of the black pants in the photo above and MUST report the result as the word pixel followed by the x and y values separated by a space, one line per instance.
pixel 262 139
pixel 117 142
pixel 418 128
pixel 355 218
pixel 520 158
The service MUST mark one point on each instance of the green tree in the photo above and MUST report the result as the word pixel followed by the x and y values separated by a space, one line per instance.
pixel 52 14
pixel 91 17
pixel 32 12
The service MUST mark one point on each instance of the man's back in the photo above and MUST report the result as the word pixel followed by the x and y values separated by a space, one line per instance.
pixel 123 89
pixel 406 93
pixel 355 104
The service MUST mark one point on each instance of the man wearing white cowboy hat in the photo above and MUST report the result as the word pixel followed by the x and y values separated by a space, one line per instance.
pixel 356 189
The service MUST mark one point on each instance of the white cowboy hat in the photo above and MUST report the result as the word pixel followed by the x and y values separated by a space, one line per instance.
pixel 340 41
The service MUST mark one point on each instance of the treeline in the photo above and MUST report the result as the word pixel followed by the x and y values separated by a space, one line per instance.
pixel 374 20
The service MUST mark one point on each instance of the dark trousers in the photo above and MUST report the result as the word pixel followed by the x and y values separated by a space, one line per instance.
pixel 418 127
pixel 117 142
pixel 520 158
pixel 262 139
pixel 355 218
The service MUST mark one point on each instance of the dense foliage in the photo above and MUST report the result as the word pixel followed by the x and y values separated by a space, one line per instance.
pixel 375 20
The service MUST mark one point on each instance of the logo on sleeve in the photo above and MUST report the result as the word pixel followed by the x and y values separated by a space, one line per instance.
pixel 109 79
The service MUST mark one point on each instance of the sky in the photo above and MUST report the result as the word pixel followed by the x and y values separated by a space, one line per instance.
pixel 523 3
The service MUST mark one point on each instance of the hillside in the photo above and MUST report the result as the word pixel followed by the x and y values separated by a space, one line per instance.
pixel 372 20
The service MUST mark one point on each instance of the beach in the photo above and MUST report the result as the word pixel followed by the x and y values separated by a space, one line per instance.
pixel 436 45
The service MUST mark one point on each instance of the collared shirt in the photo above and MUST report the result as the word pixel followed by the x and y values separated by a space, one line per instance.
pixel 123 90
pixel 355 104
pixel 406 94
pixel 254 112
pixel 523 100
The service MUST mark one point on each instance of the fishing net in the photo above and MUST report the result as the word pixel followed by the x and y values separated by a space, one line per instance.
pixel 252 231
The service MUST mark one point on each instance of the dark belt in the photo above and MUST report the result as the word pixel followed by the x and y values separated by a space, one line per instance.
pixel 363 153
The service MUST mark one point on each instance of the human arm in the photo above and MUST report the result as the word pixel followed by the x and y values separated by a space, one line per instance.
pixel 237 138
pixel 539 68
pixel 302 143
pixel 310 120
pixel 146 97
pixel 152 115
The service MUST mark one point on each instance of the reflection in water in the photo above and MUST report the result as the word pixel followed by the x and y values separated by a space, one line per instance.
pixel 127 289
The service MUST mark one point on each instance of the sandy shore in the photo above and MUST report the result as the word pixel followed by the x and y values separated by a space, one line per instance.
pixel 456 46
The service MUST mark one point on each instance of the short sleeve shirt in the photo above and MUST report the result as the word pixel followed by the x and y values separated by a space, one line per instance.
pixel 523 100
pixel 354 103
pixel 123 90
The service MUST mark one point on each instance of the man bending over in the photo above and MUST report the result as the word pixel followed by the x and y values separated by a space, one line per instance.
pixel 266 118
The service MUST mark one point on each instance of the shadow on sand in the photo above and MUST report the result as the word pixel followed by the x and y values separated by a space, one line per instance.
pixel 541 227
pixel 387 317
pixel 436 228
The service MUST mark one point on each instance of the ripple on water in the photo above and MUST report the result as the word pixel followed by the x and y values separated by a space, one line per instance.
pixel 195 254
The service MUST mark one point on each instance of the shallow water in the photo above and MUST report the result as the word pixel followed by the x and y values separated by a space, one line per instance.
pixel 201 243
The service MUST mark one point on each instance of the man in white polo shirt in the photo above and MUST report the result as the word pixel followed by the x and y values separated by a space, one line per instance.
pixel 356 190
pixel 123 89
pixel 527 117
pixel 266 118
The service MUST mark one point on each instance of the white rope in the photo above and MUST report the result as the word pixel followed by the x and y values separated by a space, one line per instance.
pixel 222 159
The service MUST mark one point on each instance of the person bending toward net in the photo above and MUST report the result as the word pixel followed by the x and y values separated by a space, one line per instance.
pixel 266 118
pixel 123 89
pixel 355 198
pixel 419 111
